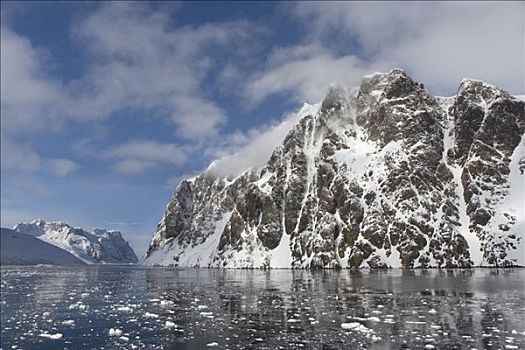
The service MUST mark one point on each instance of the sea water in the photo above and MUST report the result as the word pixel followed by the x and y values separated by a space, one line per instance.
pixel 129 307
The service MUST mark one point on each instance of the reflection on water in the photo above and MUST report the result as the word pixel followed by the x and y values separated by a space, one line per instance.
pixel 108 307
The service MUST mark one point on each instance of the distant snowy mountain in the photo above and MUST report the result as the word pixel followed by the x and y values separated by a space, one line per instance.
pixel 20 249
pixel 97 246
pixel 386 175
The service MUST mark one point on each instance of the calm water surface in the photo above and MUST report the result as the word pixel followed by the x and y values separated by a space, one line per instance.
pixel 123 307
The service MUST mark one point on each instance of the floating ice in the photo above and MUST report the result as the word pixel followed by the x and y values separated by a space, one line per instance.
pixel 115 332
pixel 125 309
pixel 170 324
pixel 247 313
pixel 356 326
pixel 51 336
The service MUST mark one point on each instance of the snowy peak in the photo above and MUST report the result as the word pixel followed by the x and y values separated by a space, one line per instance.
pixel 393 107
pixel 386 175
pixel 393 84
pixel 479 90
pixel 35 228
pixel 97 246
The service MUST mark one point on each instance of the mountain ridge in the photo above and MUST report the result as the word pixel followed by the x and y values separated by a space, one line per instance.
pixel 97 246
pixel 383 176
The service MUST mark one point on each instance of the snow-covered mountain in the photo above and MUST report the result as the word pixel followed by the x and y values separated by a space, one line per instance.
pixel 97 246
pixel 20 249
pixel 386 175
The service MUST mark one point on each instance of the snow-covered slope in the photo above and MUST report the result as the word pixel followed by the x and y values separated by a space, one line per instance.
pixel 20 249
pixel 386 175
pixel 97 246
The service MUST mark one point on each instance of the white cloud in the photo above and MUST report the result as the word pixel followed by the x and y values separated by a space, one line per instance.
pixel 251 149
pixel 149 150
pixel 143 63
pixel 137 60
pixel 479 40
pixel 196 117
pixel 307 73
pixel 136 156
pixel 367 24
pixel 30 99
pixel 438 43
pixel 61 167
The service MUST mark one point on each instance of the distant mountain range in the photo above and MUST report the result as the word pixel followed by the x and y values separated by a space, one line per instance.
pixel 97 246
pixel 20 249
pixel 385 175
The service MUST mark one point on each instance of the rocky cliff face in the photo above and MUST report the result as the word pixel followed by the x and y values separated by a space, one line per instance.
pixel 383 176
pixel 97 246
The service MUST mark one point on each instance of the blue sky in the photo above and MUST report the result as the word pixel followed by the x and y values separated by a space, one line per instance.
pixel 106 106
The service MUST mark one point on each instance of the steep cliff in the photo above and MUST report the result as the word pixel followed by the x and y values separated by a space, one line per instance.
pixel 386 175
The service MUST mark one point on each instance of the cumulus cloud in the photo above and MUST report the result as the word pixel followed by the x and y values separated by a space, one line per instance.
pixel 136 156
pixel 30 99
pixel 142 62
pixel 138 60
